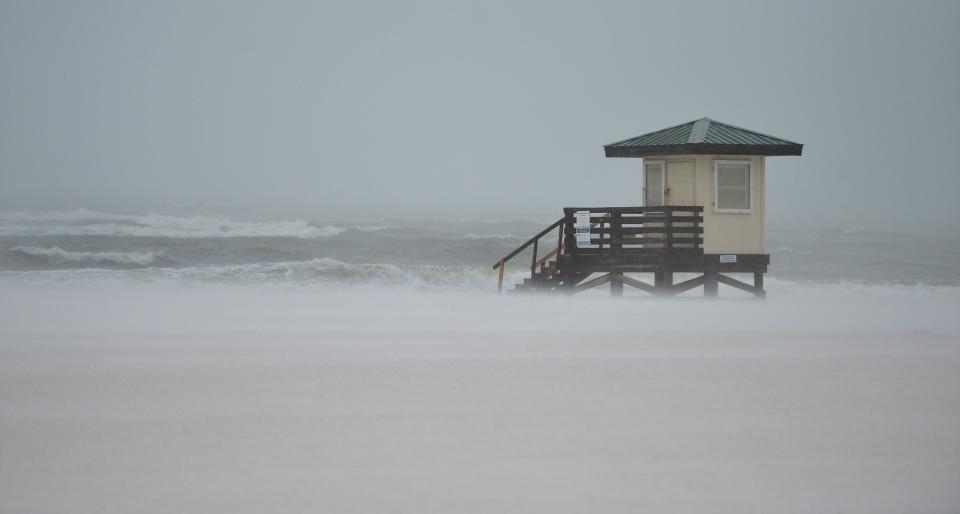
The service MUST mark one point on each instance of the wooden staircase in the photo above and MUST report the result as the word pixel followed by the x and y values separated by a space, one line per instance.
pixel 546 279
pixel 545 273
pixel 544 276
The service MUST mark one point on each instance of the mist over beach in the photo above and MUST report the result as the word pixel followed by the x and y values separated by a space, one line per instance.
pixel 247 257
pixel 226 398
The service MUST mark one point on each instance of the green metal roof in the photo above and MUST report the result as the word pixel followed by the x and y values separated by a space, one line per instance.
pixel 703 136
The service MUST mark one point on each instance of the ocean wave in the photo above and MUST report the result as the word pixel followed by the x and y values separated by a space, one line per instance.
pixel 490 236
pixel 329 273
pixel 373 228
pixel 85 222
pixel 314 272
pixel 57 255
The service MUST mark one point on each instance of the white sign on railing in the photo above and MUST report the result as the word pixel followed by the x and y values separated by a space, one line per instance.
pixel 582 227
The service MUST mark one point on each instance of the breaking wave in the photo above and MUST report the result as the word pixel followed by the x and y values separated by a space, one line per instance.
pixel 85 222
pixel 57 255
pixel 327 271
pixel 490 236
pixel 315 272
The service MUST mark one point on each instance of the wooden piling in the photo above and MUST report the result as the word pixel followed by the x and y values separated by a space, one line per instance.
pixel 616 284
pixel 710 284
pixel 663 282
pixel 758 290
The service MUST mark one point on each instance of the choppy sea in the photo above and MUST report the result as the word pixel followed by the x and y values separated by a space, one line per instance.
pixel 92 247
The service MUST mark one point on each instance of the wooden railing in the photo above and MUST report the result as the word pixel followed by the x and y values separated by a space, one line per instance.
pixel 556 251
pixel 535 241
pixel 618 230
pixel 668 228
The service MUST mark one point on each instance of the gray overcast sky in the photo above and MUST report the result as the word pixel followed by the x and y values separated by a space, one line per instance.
pixel 483 109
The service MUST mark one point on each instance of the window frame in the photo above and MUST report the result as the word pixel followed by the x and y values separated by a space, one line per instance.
pixel 716 187
pixel 663 182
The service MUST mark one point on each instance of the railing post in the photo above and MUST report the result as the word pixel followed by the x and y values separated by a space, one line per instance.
pixel 570 247
pixel 559 241
pixel 697 236
pixel 616 243
pixel 668 228
pixel 616 234
pixel 600 240
pixel 533 261
pixel 570 238
pixel 500 279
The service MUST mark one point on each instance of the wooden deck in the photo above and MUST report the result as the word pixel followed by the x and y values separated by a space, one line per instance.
pixel 660 240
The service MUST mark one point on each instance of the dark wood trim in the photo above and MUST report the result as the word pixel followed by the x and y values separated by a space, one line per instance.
pixel 643 286
pixel 668 230
pixel 732 282
pixel 637 210
pixel 592 283
pixel 749 258
pixel 687 285
pixel 701 148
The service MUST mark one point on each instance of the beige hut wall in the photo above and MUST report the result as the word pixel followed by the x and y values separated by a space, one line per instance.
pixel 724 232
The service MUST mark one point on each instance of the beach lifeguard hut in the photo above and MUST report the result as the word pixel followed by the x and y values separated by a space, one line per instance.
pixel 702 212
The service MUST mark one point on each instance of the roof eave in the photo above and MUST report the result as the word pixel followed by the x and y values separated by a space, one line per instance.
pixel 702 148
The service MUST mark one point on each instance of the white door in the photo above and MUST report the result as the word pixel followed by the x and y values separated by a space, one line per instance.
pixel 666 183
pixel 679 190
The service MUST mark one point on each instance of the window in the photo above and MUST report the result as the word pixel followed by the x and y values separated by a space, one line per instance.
pixel 653 183
pixel 733 184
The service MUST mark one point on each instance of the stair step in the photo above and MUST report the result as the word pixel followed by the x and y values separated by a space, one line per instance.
pixel 544 279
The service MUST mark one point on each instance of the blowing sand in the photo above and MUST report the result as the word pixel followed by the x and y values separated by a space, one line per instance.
pixel 177 399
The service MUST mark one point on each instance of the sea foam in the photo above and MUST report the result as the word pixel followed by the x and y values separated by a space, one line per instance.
pixel 57 255
pixel 85 222
pixel 324 272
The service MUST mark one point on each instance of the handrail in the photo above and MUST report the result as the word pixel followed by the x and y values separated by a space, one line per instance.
pixel 534 241
pixel 528 243
pixel 548 256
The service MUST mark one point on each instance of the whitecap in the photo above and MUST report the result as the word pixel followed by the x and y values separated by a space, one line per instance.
pixel 57 255
pixel 85 222
pixel 490 236
pixel 325 272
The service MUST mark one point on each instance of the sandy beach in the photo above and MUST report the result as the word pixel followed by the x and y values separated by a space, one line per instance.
pixel 177 399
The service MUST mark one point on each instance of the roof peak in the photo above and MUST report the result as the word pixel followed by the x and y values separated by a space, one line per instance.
pixel 698 133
